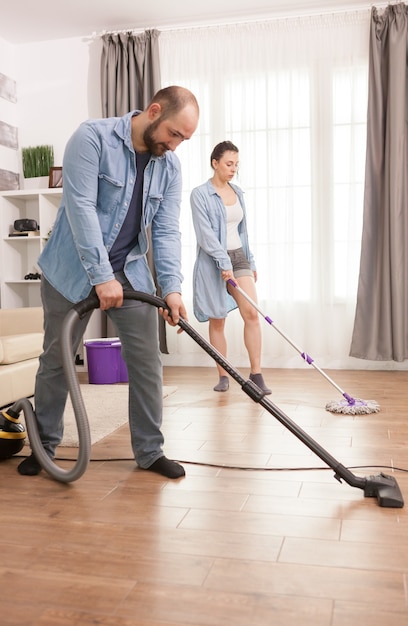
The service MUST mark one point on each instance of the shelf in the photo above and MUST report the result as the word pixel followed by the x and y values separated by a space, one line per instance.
pixel 31 194
pixel 22 282
pixel 19 259
pixel 34 238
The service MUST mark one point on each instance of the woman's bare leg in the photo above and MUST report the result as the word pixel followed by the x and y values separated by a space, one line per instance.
pixel 252 327
pixel 218 340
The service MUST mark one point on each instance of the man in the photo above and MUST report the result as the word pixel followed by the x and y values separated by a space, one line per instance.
pixel 120 176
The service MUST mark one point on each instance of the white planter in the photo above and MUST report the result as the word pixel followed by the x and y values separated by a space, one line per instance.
pixel 38 182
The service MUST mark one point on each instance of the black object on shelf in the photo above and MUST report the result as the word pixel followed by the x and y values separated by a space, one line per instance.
pixel 35 276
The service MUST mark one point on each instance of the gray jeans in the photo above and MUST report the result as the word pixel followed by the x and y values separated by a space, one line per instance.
pixel 136 325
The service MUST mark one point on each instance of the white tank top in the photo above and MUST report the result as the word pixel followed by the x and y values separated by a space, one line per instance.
pixel 234 217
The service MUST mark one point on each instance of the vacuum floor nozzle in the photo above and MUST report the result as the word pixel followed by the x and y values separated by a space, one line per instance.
pixel 385 488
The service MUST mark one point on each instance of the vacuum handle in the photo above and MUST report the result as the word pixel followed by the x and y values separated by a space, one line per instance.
pixel 92 301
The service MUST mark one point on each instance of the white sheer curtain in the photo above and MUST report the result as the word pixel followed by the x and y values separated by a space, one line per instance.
pixel 292 95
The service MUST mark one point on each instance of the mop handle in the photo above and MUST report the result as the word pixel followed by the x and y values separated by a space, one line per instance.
pixel 306 357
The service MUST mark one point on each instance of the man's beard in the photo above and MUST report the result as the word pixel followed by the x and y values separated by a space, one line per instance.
pixel 154 147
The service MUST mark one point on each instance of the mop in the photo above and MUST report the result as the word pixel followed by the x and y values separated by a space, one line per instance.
pixel 348 406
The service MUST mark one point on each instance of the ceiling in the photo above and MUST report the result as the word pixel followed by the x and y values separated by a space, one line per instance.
pixel 43 20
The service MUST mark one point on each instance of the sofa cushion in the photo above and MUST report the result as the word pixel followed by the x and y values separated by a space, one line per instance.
pixel 22 320
pixel 15 348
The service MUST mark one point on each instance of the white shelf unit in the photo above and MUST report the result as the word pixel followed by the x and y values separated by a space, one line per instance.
pixel 19 255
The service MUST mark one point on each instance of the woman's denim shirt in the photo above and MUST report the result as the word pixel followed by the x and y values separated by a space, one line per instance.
pixel 210 295
pixel 99 170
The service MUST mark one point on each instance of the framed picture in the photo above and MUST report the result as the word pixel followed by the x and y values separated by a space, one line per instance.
pixel 55 179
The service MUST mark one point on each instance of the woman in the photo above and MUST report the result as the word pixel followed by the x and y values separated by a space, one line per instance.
pixel 223 252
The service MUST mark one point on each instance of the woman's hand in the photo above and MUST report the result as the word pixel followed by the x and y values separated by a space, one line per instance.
pixel 227 274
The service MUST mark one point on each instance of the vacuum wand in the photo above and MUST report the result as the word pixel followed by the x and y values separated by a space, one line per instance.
pixel 383 487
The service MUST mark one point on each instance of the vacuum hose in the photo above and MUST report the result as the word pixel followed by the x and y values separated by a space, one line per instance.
pixel 84 437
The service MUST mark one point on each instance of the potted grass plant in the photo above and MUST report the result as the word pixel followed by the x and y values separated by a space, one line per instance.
pixel 37 161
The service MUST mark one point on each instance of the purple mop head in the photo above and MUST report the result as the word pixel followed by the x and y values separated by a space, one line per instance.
pixel 353 406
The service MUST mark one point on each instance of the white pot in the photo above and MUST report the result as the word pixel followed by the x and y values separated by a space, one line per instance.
pixel 38 182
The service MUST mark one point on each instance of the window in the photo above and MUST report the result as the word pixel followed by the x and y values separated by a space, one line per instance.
pixel 292 95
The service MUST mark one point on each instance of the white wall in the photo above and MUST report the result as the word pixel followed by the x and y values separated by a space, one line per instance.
pixel 58 86
pixel 9 158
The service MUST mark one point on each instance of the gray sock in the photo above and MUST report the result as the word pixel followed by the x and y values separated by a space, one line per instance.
pixel 223 384
pixel 259 381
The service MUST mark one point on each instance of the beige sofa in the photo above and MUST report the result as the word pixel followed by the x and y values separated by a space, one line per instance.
pixel 21 339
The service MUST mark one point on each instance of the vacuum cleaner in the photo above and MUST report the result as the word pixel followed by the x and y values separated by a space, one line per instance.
pixel 383 487
pixel 12 435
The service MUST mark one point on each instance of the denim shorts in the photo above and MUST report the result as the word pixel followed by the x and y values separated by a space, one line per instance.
pixel 240 264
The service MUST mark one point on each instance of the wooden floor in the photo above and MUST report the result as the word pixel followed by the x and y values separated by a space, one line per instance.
pixel 258 533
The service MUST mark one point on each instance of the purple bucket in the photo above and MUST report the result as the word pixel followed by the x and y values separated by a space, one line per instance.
pixel 105 363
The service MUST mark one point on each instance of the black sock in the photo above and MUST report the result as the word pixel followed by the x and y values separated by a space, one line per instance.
pixel 29 467
pixel 167 468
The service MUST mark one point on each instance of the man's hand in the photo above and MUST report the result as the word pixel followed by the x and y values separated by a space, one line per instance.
pixel 177 310
pixel 110 294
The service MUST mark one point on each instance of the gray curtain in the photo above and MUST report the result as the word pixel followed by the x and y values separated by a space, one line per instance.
pixel 130 71
pixel 130 76
pixel 381 319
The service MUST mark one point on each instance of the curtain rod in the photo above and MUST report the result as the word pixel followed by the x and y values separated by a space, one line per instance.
pixel 246 20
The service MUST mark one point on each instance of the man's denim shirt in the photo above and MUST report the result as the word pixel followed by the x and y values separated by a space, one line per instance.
pixel 99 171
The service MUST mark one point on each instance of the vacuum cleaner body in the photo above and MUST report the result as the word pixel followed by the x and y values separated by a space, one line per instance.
pixel 12 434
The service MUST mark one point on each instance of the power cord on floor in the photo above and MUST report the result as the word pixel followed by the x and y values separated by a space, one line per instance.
pixel 237 467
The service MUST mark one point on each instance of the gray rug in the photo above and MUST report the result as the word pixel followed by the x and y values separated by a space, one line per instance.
pixel 106 407
pixel 107 410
